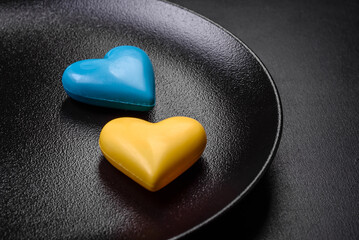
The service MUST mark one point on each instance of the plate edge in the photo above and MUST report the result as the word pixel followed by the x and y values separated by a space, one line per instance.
pixel 276 140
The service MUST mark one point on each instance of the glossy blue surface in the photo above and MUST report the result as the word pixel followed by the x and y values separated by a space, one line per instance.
pixel 123 79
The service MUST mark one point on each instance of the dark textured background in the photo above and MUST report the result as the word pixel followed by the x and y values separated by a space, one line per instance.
pixel 311 189
pixel 311 48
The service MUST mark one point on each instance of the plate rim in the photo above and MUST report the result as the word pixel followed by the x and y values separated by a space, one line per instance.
pixel 277 139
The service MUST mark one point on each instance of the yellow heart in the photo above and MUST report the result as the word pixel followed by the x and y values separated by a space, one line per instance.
pixel 153 154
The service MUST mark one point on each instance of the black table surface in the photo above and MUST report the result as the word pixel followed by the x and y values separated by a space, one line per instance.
pixel 311 49
pixel 311 190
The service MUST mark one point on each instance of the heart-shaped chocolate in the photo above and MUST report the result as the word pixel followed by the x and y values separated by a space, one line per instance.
pixel 153 154
pixel 123 79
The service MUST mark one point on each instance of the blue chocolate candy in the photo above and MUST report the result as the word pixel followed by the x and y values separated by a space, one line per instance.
pixel 123 79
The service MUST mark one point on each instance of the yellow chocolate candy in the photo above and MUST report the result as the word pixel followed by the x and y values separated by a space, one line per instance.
pixel 153 154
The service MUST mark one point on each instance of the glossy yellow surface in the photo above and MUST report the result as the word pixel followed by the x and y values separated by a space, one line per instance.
pixel 153 154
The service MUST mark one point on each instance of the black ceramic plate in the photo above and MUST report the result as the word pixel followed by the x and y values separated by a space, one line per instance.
pixel 54 179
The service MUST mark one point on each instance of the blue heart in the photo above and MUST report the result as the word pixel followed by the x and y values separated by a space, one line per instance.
pixel 123 79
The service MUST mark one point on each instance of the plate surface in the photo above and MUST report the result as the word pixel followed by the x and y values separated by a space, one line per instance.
pixel 55 181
